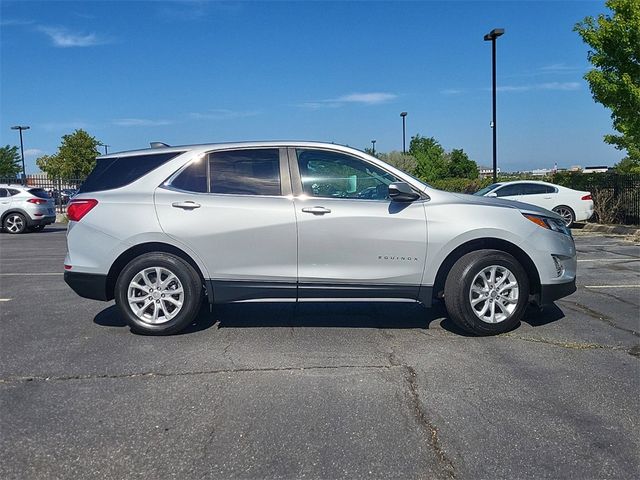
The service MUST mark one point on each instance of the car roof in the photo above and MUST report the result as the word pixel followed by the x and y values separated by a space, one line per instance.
pixel 231 145
pixel 526 181
pixel 15 185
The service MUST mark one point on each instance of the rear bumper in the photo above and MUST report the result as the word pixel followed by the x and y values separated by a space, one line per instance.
pixel 48 220
pixel 551 293
pixel 88 285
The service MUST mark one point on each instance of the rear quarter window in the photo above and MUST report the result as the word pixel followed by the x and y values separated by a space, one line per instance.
pixel 110 173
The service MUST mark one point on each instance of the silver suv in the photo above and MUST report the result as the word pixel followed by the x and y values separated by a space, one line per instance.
pixel 159 229
pixel 25 209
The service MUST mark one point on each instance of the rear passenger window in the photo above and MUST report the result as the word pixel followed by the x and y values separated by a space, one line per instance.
pixel 110 173
pixel 245 172
pixel 3 193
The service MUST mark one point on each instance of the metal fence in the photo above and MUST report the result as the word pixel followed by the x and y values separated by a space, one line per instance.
pixel 616 196
pixel 61 190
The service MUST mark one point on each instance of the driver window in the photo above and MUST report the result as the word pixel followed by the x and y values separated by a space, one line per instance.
pixel 336 175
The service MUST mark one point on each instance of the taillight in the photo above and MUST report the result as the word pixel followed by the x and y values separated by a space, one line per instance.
pixel 587 197
pixel 37 201
pixel 79 208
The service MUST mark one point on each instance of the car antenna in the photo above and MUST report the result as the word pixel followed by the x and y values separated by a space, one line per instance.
pixel 158 145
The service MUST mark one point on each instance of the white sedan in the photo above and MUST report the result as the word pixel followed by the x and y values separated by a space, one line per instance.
pixel 572 205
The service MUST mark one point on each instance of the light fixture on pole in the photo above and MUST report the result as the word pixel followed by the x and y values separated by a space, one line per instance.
pixel 373 146
pixel 21 128
pixel 491 37
pixel 404 130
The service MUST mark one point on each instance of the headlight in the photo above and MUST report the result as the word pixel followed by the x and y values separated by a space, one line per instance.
pixel 548 223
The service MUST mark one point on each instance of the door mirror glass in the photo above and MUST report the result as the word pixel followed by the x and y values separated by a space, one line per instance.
pixel 402 192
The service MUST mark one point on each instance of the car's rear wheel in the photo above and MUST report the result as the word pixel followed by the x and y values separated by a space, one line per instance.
pixel 158 293
pixel 15 223
pixel 486 292
pixel 566 213
pixel 36 228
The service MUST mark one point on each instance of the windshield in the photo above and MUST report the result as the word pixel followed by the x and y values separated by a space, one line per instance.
pixel 485 190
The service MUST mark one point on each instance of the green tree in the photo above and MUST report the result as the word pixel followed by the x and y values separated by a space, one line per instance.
pixel 402 161
pixel 627 165
pixel 615 81
pixel 429 155
pixel 459 165
pixel 10 162
pixel 75 158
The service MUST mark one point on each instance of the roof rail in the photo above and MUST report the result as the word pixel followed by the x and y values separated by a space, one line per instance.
pixel 159 145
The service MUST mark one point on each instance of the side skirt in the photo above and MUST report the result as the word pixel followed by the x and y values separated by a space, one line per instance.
pixel 234 291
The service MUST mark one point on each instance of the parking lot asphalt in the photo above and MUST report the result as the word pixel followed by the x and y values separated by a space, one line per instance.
pixel 318 391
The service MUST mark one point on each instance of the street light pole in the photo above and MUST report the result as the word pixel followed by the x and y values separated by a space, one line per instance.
pixel 404 130
pixel 106 151
pixel 491 37
pixel 24 172
pixel 373 147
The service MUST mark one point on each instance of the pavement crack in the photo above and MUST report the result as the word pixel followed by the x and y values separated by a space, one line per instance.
pixel 421 416
pixel 596 315
pixel 36 378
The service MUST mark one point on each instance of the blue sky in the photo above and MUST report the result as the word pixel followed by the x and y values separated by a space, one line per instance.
pixel 196 71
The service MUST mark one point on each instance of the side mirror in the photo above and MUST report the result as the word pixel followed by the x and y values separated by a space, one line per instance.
pixel 402 192
pixel 492 194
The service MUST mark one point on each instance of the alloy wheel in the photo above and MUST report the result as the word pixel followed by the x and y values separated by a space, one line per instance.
pixel 494 294
pixel 155 295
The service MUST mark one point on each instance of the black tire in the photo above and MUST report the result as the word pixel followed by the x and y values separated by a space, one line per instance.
pixel 14 223
pixel 187 278
pixel 457 292
pixel 567 214
pixel 36 228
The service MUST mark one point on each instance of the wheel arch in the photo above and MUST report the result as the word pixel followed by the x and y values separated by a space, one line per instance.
pixel 482 244
pixel 14 210
pixel 148 247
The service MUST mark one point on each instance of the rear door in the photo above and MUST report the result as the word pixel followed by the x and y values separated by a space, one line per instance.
pixel 544 196
pixel 234 210
pixel 353 241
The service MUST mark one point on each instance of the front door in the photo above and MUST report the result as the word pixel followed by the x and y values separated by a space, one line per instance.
pixel 353 241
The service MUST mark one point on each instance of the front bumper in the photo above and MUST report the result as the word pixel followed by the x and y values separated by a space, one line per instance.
pixel 88 285
pixel 553 292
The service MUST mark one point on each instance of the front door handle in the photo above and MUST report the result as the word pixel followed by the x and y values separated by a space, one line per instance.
pixel 188 205
pixel 316 210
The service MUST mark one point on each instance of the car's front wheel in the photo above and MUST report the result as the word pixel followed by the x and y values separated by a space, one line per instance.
pixel 158 294
pixel 486 292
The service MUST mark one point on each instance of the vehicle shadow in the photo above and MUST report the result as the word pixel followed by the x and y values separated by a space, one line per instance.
pixel 329 314
pixel 49 230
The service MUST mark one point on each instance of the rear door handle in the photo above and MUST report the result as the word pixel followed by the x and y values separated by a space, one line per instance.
pixel 188 205
pixel 316 210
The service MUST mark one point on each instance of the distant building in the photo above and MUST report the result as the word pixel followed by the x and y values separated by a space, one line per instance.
pixel 487 172
pixel 598 169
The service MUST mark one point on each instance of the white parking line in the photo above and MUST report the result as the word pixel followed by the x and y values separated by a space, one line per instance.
pixel 611 260
pixel 29 274
pixel 612 286
pixel 5 299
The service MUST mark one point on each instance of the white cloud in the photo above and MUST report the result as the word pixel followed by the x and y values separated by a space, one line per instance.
pixel 63 38
pixel 33 152
pixel 366 98
pixel 140 122
pixel 373 98
pixel 562 86
pixel 451 91
pixel 15 22
pixel 222 114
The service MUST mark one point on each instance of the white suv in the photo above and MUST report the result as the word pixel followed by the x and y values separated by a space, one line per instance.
pixel 159 229
pixel 25 209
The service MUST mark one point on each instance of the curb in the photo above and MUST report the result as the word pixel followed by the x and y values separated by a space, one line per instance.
pixel 626 230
